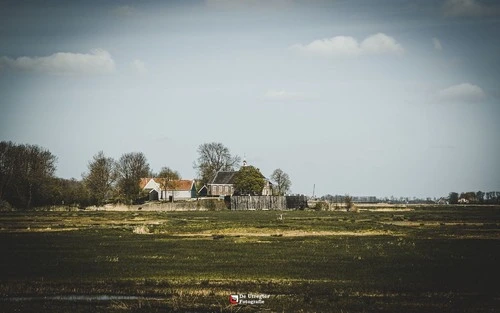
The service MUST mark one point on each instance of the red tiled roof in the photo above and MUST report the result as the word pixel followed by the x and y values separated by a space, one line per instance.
pixel 178 185
pixel 144 182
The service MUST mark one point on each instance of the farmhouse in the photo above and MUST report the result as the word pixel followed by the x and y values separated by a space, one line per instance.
pixel 160 189
pixel 223 184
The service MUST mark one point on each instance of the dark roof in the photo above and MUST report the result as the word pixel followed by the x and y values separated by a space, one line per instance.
pixel 224 178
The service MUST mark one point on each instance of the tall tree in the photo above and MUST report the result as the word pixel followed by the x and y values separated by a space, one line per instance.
pixel 453 198
pixel 282 181
pixel 348 202
pixel 25 173
pixel 70 192
pixel 8 164
pixel 100 177
pixel 168 180
pixel 130 169
pixel 480 196
pixel 249 181
pixel 214 157
pixel 38 168
pixel 470 196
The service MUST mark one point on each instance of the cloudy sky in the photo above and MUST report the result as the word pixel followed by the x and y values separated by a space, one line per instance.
pixel 388 97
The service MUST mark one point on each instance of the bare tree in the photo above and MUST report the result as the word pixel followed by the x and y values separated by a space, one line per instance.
pixel 348 202
pixel 282 181
pixel 100 177
pixel 214 157
pixel 8 155
pixel 131 168
pixel 168 180
pixel 25 173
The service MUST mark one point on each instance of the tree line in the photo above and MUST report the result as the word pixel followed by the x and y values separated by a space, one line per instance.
pixel 27 176
pixel 479 197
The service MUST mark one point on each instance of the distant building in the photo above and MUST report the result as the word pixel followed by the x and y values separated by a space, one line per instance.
pixel 223 184
pixel 203 191
pixel 442 201
pixel 177 189
pixel 365 199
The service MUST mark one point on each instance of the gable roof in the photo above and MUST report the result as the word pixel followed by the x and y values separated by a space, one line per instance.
pixel 224 178
pixel 144 181
pixel 178 185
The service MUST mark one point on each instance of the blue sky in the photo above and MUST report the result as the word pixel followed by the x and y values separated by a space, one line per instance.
pixel 362 97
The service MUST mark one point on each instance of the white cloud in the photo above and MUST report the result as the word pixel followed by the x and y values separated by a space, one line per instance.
pixel 282 95
pixel 96 62
pixel 336 46
pixel 466 8
pixel 464 92
pixel 437 44
pixel 139 67
pixel 381 44
pixel 348 46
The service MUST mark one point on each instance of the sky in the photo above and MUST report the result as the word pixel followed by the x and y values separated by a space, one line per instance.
pixel 384 98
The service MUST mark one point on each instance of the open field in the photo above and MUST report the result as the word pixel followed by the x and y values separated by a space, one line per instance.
pixel 441 259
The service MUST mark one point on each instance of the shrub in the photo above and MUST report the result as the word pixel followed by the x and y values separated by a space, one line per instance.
pixel 321 206
pixel 348 202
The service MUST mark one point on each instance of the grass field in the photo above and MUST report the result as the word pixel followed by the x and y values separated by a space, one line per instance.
pixel 441 259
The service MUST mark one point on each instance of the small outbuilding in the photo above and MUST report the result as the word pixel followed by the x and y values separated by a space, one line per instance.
pixel 160 189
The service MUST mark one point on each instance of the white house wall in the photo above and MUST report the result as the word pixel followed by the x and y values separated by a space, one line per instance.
pixel 178 194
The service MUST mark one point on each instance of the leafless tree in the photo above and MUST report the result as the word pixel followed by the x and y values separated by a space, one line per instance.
pixel 214 157
pixel 25 173
pixel 131 168
pixel 100 177
pixel 348 202
pixel 282 181
pixel 168 179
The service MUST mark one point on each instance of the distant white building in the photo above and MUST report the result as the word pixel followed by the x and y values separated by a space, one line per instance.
pixel 159 189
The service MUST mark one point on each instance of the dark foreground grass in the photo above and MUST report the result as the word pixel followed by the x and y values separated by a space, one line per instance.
pixel 427 260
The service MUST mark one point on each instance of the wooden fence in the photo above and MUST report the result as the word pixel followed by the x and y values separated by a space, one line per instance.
pixel 258 203
pixel 268 202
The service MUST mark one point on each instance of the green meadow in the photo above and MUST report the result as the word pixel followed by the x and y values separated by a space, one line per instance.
pixel 428 259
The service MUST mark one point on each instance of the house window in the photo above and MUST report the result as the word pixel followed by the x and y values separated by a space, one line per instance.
pixel 226 189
